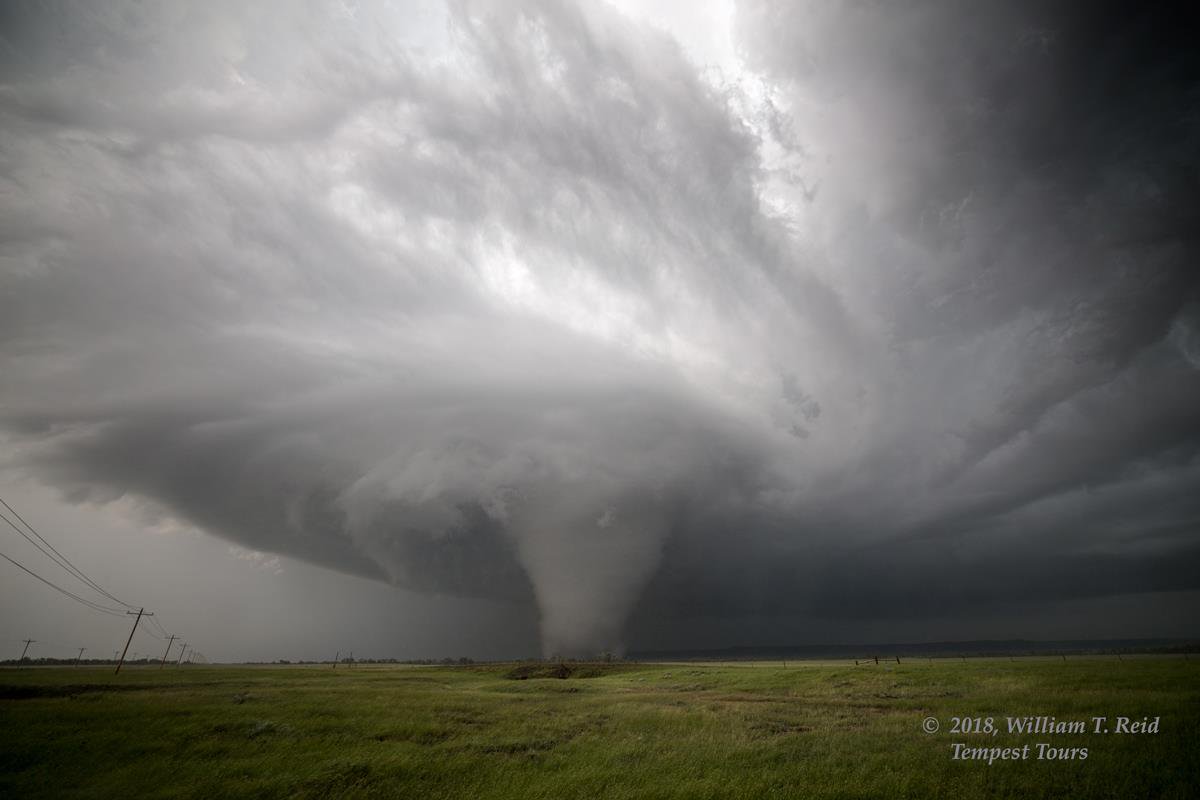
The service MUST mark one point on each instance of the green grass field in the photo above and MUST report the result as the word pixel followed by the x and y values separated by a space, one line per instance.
pixel 810 730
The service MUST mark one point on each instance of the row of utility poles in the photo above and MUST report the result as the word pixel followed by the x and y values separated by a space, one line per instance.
pixel 141 612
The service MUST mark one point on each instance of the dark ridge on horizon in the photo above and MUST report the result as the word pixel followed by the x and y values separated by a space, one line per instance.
pixel 969 647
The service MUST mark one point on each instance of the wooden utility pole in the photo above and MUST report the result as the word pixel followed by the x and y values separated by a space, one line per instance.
pixel 26 650
pixel 335 658
pixel 181 652
pixel 170 642
pixel 141 612
pixel 79 656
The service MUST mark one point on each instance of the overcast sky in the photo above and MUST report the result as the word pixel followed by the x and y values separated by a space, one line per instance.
pixel 506 328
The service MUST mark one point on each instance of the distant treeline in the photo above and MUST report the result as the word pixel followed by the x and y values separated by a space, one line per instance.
pixel 864 652
pixel 445 662
pixel 426 661
pixel 83 662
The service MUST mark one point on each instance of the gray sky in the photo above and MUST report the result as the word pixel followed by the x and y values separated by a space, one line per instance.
pixel 494 329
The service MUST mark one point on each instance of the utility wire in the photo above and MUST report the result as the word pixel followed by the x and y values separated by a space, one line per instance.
pixel 146 630
pixel 58 557
pixel 61 560
pixel 158 625
pixel 116 612
pixel 29 539
pixel 64 562
pixel 165 633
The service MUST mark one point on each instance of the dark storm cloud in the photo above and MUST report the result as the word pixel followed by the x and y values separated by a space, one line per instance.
pixel 516 304
pixel 1022 181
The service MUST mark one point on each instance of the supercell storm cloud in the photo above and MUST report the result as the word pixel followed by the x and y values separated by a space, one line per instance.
pixel 880 311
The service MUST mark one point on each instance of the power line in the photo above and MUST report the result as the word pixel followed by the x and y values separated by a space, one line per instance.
pixel 61 560
pixel 165 634
pixel 43 550
pixel 116 612
pixel 161 629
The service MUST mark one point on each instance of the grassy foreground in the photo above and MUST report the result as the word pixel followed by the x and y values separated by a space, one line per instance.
pixel 809 730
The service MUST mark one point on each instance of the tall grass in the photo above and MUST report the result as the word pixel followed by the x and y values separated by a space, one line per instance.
pixel 619 731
